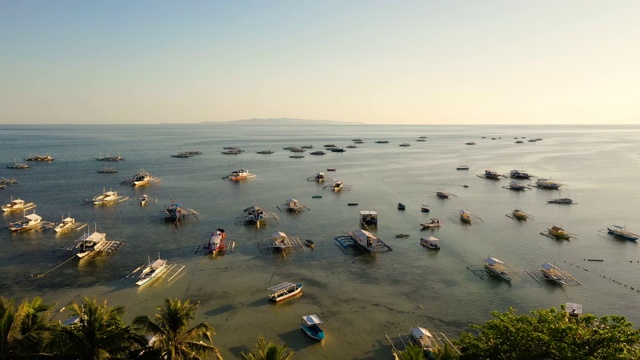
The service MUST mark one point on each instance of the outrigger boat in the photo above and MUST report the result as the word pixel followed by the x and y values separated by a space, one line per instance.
pixel 319 177
pixel 108 197
pixel 497 267
pixel 89 244
pixel 430 242
pixel 256 215
pixel 519 214
pixel 240 174
pixel 108 170
pixel 283 291
pixel 141 178
pixel 517 186
pixel 144 199
pixel 17 204
pixel 293 205
pixel 553 273
pixel 175 212
pixel 368 241
pixel 401 206
pixel 520 174
pixel 109 158
pixel 216 242
pixel 434 223
pixel 547 184
pixel 621 231
pixel 465 216
pixel 18 166
pixel 29 222
pixel 423 337
pixel 313 326
pixel 337 186
pixel 152 270
pixel 443 194
pixel 492 175
pixel 368 217
pixel 68 224
pixel 561 201
pixel 559 233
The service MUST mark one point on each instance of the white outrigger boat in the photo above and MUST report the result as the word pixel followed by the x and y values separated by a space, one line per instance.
pixel 337 186
pixel 313 327
pixel 553 273
pixel 140 179
pixel 368 241
pixel 256 215
pixel 29 222
pixel 497 267
pixel 17 204
pixel 283 291
pixel 216 242
pixel 545 183
pixel 423 337
pixel 108 197
pixel 91 243
pixel 152 271
pixel 293 205
pixel 68 224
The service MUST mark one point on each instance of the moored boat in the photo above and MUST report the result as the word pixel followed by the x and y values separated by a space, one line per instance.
pixel 465 216
pixel 520 174
pixel 240 174
pixel 45 158
pixel 109 158
pixel 491 174
pixel 337 186
pixel 67 224
pixel 496 267
pixel 91 243
pixel 216 242
pixel 559 233
pixel 319 177
pixel 368 217
pixel 434 223
pixel 516 186
pixel 108 197
pixel 29 222
pixel 17 204
pixel 401 206
pixel 283 291
pixel 621 231
pixel 462 167
pixel 108 170
pixel 313 327
pixel 561 201
pixel 545 183
pixel 519 214
pixel 553 273
pixel 152 270
pixel 423 337
pixel 430 242
pixel 18 166
pixel 368 241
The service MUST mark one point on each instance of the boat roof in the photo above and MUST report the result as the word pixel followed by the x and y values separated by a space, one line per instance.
pixel 282 286
pixel 430 238
pixel 492 261
pixel 363 234
pixel 292 200
pixel 368 212
pixel 420 332
pixel 68 219
pixel 548 266
pixel 33 217
pixel 312 319
pixel 278 234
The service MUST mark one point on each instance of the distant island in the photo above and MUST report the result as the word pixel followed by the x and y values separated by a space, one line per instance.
pixel 283 121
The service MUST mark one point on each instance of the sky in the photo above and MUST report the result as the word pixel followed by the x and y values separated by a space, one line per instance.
pixel 425 62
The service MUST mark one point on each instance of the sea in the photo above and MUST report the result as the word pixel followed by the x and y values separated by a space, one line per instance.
pixel 365 301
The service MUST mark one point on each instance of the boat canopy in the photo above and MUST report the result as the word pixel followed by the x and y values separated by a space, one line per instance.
pixel 280 287
pixel 278 235
pixel 33 217
pixel 368 212
pixel 492 261
pixel 548 266
pixel 420 332
pixel 363 234
pixel 311 319
pixel 252 209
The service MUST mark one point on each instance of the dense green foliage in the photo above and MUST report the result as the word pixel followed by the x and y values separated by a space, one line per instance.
pixel 551 334
pixel 268 351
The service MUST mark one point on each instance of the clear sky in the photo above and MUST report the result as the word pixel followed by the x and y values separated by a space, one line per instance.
pixel 378 62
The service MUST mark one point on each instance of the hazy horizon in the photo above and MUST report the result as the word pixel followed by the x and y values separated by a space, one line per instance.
pixel 428 62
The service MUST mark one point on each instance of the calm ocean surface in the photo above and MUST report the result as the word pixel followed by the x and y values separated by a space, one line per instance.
pixel 360 297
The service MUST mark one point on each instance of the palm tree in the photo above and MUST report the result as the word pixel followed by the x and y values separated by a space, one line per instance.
pixel 268 351
pixel 98 333
pixel 171 336
pixel 23 331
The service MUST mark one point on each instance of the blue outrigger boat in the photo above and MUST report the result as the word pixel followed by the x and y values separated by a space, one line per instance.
pixel 312 326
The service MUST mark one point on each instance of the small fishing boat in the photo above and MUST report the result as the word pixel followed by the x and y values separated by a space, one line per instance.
pixel 319 177
pixel 331 169
pixel 338 186
pixel 240 174
pixel 108 170
pixel 443 194
pixel 144 199
pixel 353 204
pixel 430 242
pixel 491 174
pixel 561 201
pixel 423 337
pixel 232 150
pixel 17 204
pixel 497 267
pixel 175 212
pixel 280 241
pixel 516 186
pixel 381 141
pixel 559 233
pixel 293 205
pixel 29 222
pixel 434 223
pixel 142 178
pixel 544 183
pixel 553 273
pixel 425 209
pixel 338 149
pixel 296 156
pixel 18 166
pixel 317 152
pixel 520 174
pixel 401 206
pixel 283 291
pixel 256 215
pixel 182 155
pixel 621 231
pixel 313 327
pixel 152 270
pixel 264 152
pixel 402 236
pixel 465 216
pixel 216 242
pixel 519 214
pixel 404 144
pixel 310 243
pixel 470 143
pixel 462 167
